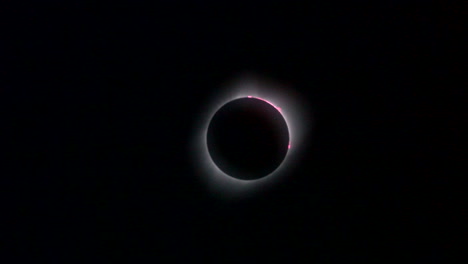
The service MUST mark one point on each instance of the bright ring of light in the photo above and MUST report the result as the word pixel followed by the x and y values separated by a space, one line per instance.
pixel 290 106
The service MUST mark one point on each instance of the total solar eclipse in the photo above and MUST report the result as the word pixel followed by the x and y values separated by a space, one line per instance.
pixel 248 138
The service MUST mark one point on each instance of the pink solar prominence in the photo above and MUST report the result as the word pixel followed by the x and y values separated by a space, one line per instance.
pixel 277 108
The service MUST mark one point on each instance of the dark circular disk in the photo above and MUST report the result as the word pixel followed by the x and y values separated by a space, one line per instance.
pixel 248 138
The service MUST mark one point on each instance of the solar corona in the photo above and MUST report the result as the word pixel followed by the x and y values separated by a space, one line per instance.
pixel 249 136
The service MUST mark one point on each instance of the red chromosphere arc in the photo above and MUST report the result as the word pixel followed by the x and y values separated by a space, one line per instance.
pixel 277 108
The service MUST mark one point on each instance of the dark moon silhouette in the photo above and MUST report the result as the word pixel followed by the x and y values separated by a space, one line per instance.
pixel 248 138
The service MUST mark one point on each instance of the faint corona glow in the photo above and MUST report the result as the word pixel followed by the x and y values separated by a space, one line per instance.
pixel 293 110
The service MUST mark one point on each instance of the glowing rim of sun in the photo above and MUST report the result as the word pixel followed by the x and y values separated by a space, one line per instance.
pixel 279 110
pixel 291 108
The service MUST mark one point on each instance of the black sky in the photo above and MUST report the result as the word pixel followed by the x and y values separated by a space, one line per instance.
pixel 101 102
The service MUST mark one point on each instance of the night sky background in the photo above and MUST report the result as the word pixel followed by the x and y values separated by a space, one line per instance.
pixel 99 104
